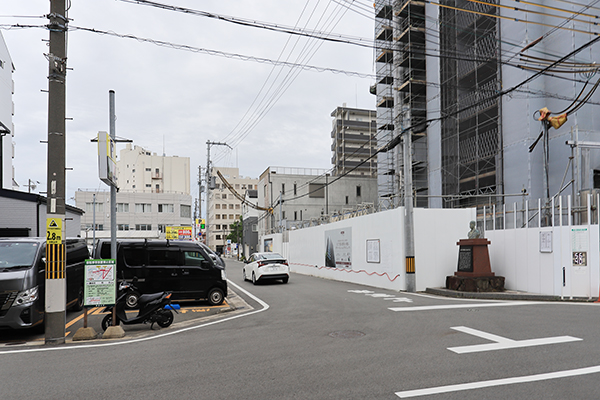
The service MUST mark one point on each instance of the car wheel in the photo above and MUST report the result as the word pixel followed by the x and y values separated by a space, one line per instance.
pixel 215 297
pixel 285 280
pixel 166 319
pixel 131 300
pixel 80 300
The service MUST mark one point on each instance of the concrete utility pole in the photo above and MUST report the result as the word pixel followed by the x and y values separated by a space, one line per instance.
pixel 409 241
pixel 209 185
pixel 55 306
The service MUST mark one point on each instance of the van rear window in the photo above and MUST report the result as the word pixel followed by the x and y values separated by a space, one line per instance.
pixel 164 257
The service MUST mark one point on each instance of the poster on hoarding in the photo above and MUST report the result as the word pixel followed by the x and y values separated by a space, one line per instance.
pixel 338 248
pixel 100 283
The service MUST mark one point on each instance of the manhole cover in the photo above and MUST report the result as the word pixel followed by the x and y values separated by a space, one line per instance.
pixel 346 334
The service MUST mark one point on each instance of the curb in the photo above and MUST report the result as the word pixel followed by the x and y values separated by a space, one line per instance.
pixel 506 295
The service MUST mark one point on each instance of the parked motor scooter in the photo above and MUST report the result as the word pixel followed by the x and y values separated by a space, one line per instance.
pixel 151 308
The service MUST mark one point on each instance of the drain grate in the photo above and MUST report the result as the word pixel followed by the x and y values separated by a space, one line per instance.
pixel 346 334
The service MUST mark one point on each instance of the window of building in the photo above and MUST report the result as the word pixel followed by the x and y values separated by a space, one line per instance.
pixel 218 227
pixel 217 216
pixel 217 206
pixel 231 206
pixel 237 206
pixel 295 215
pixel 283 188
pixel 237 186
pixel 89 207
pixel 143 208
pixel 162 228
pixel 283 215
pixel 157 171
pixel 316 190
pixel 230 216
pixel 123 207
pixel 218 237
pixel 346 199
pixel 166 208
pixel 148 185
pixel 295 189
pixel 185 211
pixel 122 227
pixel 143 227
pixel 254 227
pixel 237 216
pixel 358 191
pixel 224 196
pixel 148 169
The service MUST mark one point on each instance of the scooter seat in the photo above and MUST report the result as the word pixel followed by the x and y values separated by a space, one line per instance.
pixel 147 298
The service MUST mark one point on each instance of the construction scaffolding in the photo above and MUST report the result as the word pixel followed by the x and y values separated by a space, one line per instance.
pixel 470 76
pixel 401 97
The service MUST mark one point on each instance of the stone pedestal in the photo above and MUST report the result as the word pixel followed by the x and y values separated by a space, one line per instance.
pixel 473 272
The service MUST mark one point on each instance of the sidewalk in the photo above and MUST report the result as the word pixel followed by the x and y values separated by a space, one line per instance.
pixel 506 295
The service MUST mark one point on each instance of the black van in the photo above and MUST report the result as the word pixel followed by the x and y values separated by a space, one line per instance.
pixel 181 267
pixel 23 277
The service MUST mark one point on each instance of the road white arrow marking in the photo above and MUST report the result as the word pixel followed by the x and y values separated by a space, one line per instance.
pixel 502 343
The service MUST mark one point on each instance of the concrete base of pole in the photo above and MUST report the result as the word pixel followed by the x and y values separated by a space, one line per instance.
pixel 55 327
pixel 113 332
pixel 88 333
pixel 411 283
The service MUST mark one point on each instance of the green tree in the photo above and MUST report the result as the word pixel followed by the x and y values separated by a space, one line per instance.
pixel 237 231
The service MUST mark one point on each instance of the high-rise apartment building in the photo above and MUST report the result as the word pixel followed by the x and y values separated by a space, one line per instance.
pixel 354 141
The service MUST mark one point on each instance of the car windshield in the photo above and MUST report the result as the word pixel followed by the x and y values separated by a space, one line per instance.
pixel 17 254
pixel 271 256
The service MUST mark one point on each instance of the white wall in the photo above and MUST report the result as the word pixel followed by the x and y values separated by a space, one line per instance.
pixel 436 252
pixel 515 254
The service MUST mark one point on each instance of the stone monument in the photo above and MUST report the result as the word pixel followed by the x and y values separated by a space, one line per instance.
pixel 474 272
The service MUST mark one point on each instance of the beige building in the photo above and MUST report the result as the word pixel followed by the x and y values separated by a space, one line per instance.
pixel 223 207
pixel 142 171
pixel 154 193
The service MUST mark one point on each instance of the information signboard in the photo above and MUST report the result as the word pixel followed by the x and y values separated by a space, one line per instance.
pixel 100 282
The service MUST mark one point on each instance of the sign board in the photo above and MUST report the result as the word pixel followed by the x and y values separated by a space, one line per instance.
pixel 53 230
pixel 107 159
pixel 373 247
pixel 546 242
pixel 100 283
pixel 580 245
pixel 465 259
pixel 179 232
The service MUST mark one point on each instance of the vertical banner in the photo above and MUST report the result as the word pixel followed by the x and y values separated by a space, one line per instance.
pixel 338 248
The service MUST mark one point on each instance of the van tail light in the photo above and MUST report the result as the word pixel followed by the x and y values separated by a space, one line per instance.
pixel 168 296
pixel 261 264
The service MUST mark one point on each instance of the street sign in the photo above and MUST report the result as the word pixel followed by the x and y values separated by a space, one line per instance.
pixel 100 282
pixel 53 231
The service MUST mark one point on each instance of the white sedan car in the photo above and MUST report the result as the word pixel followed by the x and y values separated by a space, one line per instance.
pixel 266 266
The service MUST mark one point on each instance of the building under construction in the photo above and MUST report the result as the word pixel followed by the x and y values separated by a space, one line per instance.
pixel 468 79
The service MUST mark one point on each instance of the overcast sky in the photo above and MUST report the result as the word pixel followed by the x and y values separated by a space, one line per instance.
pixel 172 101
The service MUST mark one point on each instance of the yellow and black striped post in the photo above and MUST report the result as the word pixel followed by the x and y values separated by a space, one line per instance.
pixel 410 265
pixel 56 281
pixel 55 261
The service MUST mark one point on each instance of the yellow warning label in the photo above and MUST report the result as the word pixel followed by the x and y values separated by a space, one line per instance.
pixel 53 231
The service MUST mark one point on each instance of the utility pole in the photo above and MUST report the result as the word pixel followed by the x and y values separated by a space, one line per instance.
pixel 209 184
pixel 113 188
pixel 409 240
pixel 55 305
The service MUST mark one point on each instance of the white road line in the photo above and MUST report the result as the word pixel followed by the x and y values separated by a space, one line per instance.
pixel 471 305
pixel 498 382
pixel 503 343
pixel 110 344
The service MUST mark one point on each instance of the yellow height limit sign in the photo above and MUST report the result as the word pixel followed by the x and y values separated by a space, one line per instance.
pixel 53 231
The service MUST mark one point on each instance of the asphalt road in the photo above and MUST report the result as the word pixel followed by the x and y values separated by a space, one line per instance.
pixel 319 339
